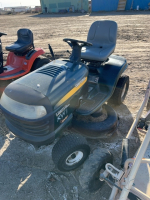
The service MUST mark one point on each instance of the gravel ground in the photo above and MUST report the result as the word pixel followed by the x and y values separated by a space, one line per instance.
pixel 29 173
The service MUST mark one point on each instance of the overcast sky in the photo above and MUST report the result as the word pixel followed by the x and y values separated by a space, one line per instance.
pixel 7 3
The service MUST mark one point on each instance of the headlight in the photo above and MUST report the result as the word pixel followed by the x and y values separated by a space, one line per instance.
pixel 22 110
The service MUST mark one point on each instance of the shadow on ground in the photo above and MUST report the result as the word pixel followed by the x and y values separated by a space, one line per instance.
pixel 29 173
pixel 60 15
pixel 100 13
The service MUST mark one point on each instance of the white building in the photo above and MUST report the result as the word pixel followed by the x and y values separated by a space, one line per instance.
pixel 18 9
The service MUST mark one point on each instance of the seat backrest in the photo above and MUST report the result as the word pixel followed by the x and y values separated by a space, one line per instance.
pixel 25 36
pixel 103 33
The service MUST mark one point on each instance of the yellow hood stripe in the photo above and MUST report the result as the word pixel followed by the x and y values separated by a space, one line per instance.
pixel 72 92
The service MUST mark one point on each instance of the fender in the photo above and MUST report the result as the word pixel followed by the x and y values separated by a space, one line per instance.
pixel 32 55
pixel 111 72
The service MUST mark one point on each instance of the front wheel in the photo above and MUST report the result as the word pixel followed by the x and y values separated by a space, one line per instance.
pixel 90 174
pixel 121 90
pixel 70 152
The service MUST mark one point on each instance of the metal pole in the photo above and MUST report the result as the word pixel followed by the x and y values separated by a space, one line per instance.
pixel 135 167
pixel 147 94
pixel 125 143
pixel 113 193
pixel 139 193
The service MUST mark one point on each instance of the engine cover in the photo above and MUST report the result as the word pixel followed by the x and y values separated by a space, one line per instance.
pixel 57 87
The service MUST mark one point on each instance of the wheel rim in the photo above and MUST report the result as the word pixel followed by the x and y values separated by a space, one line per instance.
pixel 123 91
pixel 74 158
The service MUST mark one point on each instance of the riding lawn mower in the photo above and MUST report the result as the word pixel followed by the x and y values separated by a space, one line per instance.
pixel 22 57
pixel 41 105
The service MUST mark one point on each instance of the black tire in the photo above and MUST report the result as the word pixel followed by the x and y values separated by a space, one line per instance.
pixel 66 147
pixel 148 104
pixel 93 166
pixel 39 62
pixel 97 129
pixel 121 90
pixel 3 85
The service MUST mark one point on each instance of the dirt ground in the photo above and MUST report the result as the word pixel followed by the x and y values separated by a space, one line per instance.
pixel 27 173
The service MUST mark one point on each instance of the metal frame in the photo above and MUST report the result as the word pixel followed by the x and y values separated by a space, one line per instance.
pixel 124 179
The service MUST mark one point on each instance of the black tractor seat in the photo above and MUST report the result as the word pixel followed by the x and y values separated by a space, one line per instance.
pixel 24 42
pixel 103 36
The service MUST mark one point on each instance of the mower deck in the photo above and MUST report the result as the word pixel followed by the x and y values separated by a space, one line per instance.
pixel 97 129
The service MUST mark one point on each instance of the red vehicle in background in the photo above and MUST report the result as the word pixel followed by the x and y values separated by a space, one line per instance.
pixel 23 57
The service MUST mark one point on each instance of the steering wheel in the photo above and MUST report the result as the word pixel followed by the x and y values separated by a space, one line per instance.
pixel 80 43
pixel 2 34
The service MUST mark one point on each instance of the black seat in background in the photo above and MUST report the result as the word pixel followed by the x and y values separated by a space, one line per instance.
pixel 24 42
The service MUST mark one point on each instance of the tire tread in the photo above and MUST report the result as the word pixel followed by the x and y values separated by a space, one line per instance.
pixel 116 97
pixel 65 144
pixel 91 165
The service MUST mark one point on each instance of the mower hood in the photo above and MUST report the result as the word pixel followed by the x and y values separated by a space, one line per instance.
pixel 24 102
pixel 28 94
pixel 35 88
pixel 43 88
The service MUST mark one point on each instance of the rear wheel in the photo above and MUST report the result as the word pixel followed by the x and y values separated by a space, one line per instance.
pixel 70 152
pixel 39 62
pixel 121 90
pixel 92 168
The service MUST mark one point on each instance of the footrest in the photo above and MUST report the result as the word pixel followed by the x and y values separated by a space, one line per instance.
pixel 88 106
pixel 11 72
